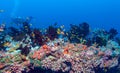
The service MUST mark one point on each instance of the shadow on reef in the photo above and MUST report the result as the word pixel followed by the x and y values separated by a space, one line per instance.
pixel 97 70
pixel 40 70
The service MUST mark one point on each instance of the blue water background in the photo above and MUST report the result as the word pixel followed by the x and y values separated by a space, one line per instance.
pixel 98 13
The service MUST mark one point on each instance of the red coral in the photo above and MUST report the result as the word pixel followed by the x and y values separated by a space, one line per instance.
pixel 2 65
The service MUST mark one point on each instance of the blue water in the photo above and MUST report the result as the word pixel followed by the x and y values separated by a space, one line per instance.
pixel 98 13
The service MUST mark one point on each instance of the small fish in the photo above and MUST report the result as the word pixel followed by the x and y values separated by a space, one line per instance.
pixel 58 31
pixel 33 35
pixel 6 44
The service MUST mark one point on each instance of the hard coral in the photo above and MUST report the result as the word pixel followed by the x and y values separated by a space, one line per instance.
pixel 77 32
pixel 39 54
pixel 26 28
pixel 81 57
pixel 100 37
pixel 16 34
pixel 113 32
pixel 84 27
pixel 25 50
pixel 51 32
pixel 2 65
pixel 38 37
pixel 118 40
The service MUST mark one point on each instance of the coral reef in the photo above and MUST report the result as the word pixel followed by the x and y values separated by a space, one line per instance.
pixel 37 37
pixel 51 32
pixel 113 32
pixel 78 50
pixel 78 32
pixel 80 58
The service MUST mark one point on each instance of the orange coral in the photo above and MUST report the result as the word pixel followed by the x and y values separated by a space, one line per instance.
pixel 34 55
pixel 84 47
pixel 41 52
pixel 37 54
pixel 39 57
pixel 66 51
pixel 45 47
pixel 2 65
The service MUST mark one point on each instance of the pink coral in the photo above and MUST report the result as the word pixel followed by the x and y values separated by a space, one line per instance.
pixel 81 57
